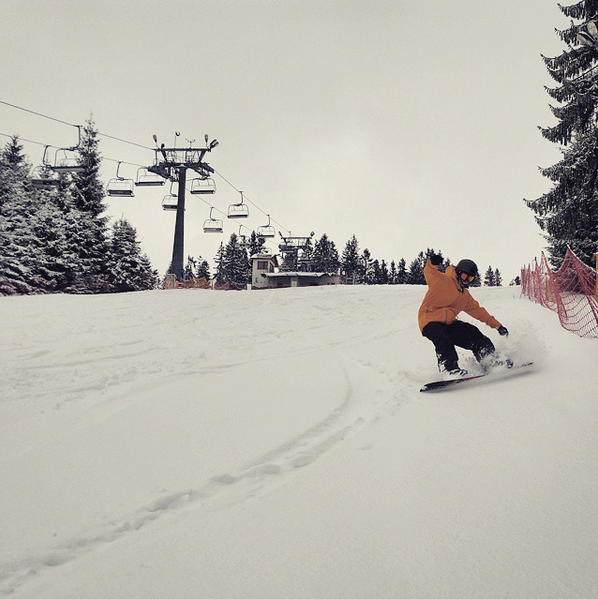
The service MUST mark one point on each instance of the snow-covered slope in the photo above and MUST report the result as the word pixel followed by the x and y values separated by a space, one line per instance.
pixel 189 444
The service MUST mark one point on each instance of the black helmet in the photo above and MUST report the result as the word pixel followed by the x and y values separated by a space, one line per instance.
pixel 469 267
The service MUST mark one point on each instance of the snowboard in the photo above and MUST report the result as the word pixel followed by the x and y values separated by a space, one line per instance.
pixel 443 385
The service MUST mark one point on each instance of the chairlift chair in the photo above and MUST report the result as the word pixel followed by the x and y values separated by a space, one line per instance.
pixel 239 210
pixel 42 176
pixel 120 187
pixel 266 231
pixel 170 201
pixel 200 186
pixel 212 225
pixel 146 178
pixel 66 160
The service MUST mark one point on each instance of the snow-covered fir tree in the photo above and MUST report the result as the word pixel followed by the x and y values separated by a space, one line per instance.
pixel 489 277
pixel 366 273
pixel 53 240
pixel 17 206
pixel 203 269
pixel 568 213
pixel 325 256
pixel 255 244
pixel 392 274
pixel 384 275
pixel 401 277
pixel 220 275
pixel 350 261
pixel 128 269
pixel 415 274
pixel 88 196
pixel 238 265
pixel 376 272
pixel 497 278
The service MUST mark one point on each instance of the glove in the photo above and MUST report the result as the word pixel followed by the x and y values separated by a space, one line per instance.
pixel 435 259
pixel 503 331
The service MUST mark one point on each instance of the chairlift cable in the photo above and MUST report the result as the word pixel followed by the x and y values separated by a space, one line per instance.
pixel 51 118
pixel 45 116
pixel 124 162
pixel 39 143
pixel 250 201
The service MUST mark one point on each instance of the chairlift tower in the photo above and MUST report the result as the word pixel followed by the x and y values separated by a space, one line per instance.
pixel 294 250
pixel 172 164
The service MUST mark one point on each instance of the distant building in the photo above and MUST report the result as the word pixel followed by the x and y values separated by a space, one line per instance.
pixel 280 280
pixel 264 275
pixel 262 265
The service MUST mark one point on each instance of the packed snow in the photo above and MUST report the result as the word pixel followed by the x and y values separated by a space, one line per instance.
pixel 201 444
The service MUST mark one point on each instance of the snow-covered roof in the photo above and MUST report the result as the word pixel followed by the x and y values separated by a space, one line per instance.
pixel 300 274
pixel 269 257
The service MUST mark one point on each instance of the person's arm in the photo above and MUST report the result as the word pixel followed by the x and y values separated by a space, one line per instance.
pixel 431 271
pixel 476 311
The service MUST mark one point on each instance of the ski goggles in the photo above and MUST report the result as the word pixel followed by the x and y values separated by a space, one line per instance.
pixel 467 278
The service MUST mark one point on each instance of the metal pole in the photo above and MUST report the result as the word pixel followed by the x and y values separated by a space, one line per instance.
pixel 179 228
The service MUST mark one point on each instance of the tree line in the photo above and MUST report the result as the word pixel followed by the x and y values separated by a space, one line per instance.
pixel 233 264
pixel 56 238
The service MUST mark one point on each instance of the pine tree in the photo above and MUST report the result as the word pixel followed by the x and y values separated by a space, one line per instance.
pixel 255 245
pixel 376 273
pixel 17 207
pixel 392 275
pixel 415 274
pixel 497 278
pixel 127 268
pixel 489 277
pixel 13 158
pixel 52 232
pixel 568 213
pixel 88 195
pixel 220 276
pixel 305 256
pixel 401 278
pixel 16 275
pixel 236 267
pixel 350 261
pixel 325 256
pixel 365 268
pixel 203 269
pixel 384 277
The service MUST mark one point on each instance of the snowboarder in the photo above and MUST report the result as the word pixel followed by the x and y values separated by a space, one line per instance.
pixel 448 295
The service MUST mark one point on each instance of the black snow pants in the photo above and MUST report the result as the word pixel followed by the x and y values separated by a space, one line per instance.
pixel 462 334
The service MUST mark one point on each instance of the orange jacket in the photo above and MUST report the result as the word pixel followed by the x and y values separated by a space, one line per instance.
pixel 445 299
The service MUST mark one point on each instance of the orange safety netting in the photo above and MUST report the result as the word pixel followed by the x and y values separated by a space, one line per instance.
pixel 571 291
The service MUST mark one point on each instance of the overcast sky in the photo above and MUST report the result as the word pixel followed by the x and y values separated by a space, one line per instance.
pixel 409 124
